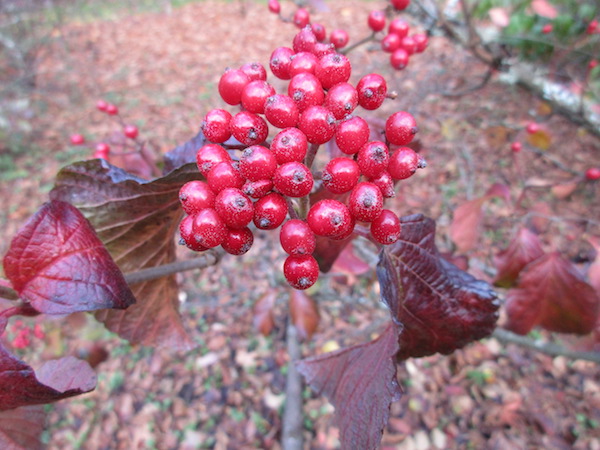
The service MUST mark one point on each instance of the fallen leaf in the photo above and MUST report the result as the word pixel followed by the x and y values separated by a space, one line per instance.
pixel 564 190
pixel 540 139
pixel 263 313
pixel 304 313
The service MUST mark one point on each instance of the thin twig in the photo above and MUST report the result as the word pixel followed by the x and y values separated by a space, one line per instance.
pixel 363 41
pixel 8 293
pixel 293 419
pixel 487 77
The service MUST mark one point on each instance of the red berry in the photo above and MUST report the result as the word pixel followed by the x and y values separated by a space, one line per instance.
pixel 376 20
pixel 303 62
pixel 270 211
pixel 385 229
pixel 238 242
pixel 255 94
pixel 111 109
pixel 516 147
pixel 318 124
pixel 319 30
pixel 131 131
pixel 257 189
pixel 366 202
pixel 593 173
pixel 592 64
pixel 297 238
pixel 290 144
pixel 390 43
pixel 340 175
pixel 306 90
pixel 196 195
pixel 224 175
pixel 329 218
pixel 592 27
pixel 373 158
pixel 351 134
pixel 210 155
pixel 208 228
pixel 400 4
pixel 399 59
pixel 293 179
pixel 332 69
pixel 231 85
pixel 101 105
pixel 301 17
pixel 215 125
pixel 371 90
pixel 186 234
pixel 408 44
pixel 301 271
pixel 421 40
pixel 77 139
pixel 404 162
pixel 305 40
pixel 400 128
pixel 249 128
pixel 255 71
pixel 102 147
pixel 399 26
pixel 101 154
pixel 341 100
pixel 532 128
pixel 280 61
pixel 385 183
pixel 257 163
pixel 339 38
pixel 234 207
pixel 322 49
pixel 547 28
pixel 281 111
pixel 274 6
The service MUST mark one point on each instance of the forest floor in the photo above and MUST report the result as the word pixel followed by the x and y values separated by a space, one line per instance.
pixel 162 70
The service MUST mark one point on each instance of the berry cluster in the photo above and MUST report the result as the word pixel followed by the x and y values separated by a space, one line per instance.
pixel 23 333
pixel 267 181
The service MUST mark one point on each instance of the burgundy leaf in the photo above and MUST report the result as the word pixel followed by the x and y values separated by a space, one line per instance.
pixel 21 428
pixel 57 263
pixel 54 381
pixel 348 262
pixel 551 293
pixel 137 220
pixel 523 249
pixel 304 312
pixel 441 307
pixel 360 381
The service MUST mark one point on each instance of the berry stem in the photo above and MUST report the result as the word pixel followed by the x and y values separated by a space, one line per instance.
pixel 24 309
pixel 291 209
pixel 363 41
pixel 363 231
pixel 6 291
pixel 310 156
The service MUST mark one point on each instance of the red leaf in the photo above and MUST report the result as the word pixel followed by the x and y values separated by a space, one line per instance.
pixel 551 293
pixel 348 262
pixel 304 312
pixel 54 381
pixel 57 263
pixel 263 313
pixel 21 428
pixel 523 249
pixel 137 221
pixel 360 381
pixel 441 307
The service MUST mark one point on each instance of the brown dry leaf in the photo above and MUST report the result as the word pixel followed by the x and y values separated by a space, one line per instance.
pixel 263 313
pixel 305 314
pixel 563 190
pixel 540 139
pixel 496 136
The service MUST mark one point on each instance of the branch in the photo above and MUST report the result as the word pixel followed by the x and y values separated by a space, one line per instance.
pixel 292 414
pixel 547 348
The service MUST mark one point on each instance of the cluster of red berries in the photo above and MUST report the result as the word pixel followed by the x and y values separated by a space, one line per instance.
pixel 102 149
pixel 268 181
pixel 23 333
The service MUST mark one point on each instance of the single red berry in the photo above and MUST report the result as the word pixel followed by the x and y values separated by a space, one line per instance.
pixel 257 163
pixel 399 26
pixel 592 27
pixel 371 90
pixel 224 175
pixel 303 62
pixel 365 202
pixel 385 183
pixel 593 173
pixel 547 28
pixel 340 175
pixel 280 62
pixel 400 4
pixel 341 100
pixel 255 71
pixel 319 30
pixel 400 128
pixel 332 69
pixel 293 179
pixel 390 43
pixel 421 40
pixel 255 95
pixel 249 128
pixel 215 125
pixel 516 147
pixel 305 40
pixel 376 20
pixel 386 228
pixel 399 59
pixel 102 147
pixel 100 155
pixel 339 38
pixel 306 90
pixel 270 211
pixel 274 6
pixel 101 105
pixel 373 158
pixel 77 139
pixel 196 195
pixel 208 228
pixel 408 44
pixel 351 134
pixel 301 271
pixel 329 218
pixel 186 234
pixel 210 155
pixel 592 64
pixel 301 17
pixel 290 144
pixel 404 162
pixel 231 85
pixel 111 109
pixel 297 238
pixel 281 111
pixel 257 189
pixel 322 49
pixel 234 207
pixel 318 124
pixel 532 128
pixel 238 242
pixel 131 131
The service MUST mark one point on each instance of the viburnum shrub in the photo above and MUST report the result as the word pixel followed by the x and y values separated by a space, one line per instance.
pixel 308 163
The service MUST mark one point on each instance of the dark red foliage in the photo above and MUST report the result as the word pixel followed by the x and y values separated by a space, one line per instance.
pixel 523 249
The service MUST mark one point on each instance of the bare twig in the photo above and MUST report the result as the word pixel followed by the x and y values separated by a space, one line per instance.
pixel 293 420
